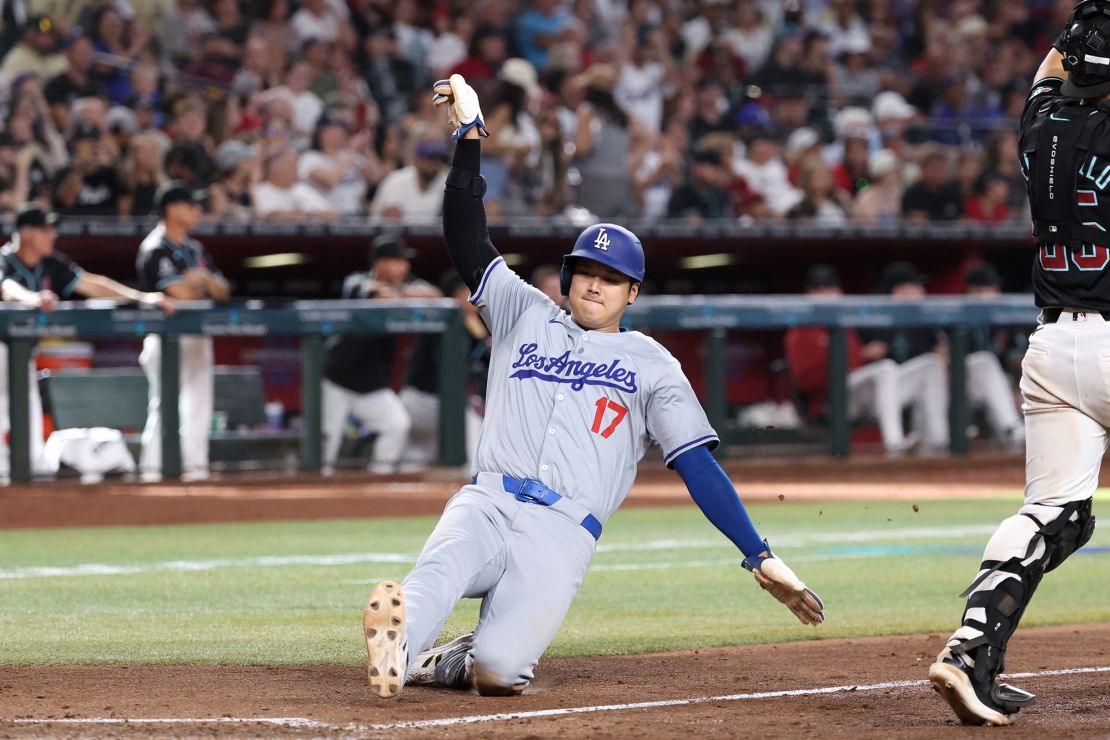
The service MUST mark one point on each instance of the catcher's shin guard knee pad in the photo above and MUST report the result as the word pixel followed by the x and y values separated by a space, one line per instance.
pixel 1022 550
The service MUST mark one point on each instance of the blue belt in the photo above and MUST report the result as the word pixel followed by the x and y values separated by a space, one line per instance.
pixel 530 491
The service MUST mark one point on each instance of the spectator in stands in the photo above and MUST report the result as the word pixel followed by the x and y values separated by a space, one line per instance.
pixel 29 118
pixel 923 371
pixel 170 260
pixel 188 162
pixel 602 147
pixel 389 76
pixel 988 204
pixel 230 24
pixel 414 192
pixel 142 173
pixel 341 167
pixel 710 110
pixel 35 52
pixel 645 79
pixel 33 274
pixel 934 197
pixel 764 171
pixel 89 185
pixel 182 30
pixel 272 26
pixel 217 60
pixel 878 388
pixel 453 29
pixel 850 173
pixel 752 37
pixel 357 369
pixel 281 196
pixel 784 68
pixel 146 98
pixel 881 201
pixel 1000 158
pixel 306 104
pixel 893 118
pixel 315 20
pixel 239 168
pixel 855 80
pixel 413 40
pixel 117 46
pixel 822 199
pixel 75 81
pixel 539 28
pixel 700 31
pixel 703 195
pixel 513 133
pixel 657 170
pixel 486 53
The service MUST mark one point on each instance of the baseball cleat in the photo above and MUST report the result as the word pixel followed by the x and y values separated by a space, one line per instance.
pixel 442 666
pixel 387 649
pixel 996 705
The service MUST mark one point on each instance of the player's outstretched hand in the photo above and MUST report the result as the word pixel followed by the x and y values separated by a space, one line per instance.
pixel 775 576
pixel 463 110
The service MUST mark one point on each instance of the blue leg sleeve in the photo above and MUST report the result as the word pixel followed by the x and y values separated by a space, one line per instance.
pixel 715 495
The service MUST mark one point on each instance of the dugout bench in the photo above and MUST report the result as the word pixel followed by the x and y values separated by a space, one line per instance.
pixel 117 398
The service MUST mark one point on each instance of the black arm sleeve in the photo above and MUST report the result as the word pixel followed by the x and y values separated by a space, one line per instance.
pixel 464 216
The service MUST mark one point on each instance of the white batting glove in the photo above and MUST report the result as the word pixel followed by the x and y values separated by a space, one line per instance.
pixel 463 110
pixel 775 576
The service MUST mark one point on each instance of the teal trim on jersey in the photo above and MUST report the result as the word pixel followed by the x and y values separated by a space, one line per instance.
pixel 79 273
pixel 171 280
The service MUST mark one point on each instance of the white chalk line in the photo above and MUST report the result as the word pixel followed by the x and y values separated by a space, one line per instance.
pixel 282 561
pixel 536 713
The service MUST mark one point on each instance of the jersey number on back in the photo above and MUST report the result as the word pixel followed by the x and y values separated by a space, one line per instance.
pixel 604 404
pixel 1090 258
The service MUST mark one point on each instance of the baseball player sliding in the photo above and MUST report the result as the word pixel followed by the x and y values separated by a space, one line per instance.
pixel 572 404
pixel 1065 157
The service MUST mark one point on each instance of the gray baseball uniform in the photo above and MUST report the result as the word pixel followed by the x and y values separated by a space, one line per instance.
pixel 574 410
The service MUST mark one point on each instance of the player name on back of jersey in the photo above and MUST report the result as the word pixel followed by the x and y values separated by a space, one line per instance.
pixel 577 373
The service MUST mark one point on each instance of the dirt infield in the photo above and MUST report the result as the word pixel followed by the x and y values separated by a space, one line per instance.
pixel 868 687
pixel 335 702
pixel 311 497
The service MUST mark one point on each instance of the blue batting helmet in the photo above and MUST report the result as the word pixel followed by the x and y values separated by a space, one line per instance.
pixel 611 245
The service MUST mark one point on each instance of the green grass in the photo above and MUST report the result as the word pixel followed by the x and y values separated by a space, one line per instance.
pixel 671 595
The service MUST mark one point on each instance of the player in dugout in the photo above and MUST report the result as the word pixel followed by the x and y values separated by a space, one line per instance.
pixel 36 275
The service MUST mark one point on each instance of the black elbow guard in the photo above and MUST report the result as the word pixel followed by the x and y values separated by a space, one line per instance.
pixel 459 179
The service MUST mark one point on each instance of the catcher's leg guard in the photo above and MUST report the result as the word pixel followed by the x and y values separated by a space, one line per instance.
pixel 1022 550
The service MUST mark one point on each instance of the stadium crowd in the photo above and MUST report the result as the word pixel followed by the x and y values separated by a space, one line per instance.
pixel 832 110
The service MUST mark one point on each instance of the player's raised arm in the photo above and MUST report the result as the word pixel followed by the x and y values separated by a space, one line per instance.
pixel 715 495
pixel 464 215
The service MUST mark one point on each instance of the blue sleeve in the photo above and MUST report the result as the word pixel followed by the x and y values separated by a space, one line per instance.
pixel 715 495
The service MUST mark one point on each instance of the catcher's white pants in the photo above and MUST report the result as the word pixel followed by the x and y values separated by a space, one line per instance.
pixel 883 388
pixel 194 404
pixel 526 562
pixel 422 449
pixel 1065 385
pixel 380 410
pixel 37 463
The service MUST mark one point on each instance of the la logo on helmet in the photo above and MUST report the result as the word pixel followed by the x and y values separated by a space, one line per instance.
pixel 602 241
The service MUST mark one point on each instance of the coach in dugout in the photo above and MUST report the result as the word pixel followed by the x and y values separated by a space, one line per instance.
pixel 170 260
pixel 33 274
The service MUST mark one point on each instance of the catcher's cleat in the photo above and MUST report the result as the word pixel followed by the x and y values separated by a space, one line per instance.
pixel 443 666
pixel 976 702
pixel 387 648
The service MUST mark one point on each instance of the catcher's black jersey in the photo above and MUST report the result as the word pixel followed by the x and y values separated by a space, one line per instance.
pixel 1062 275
